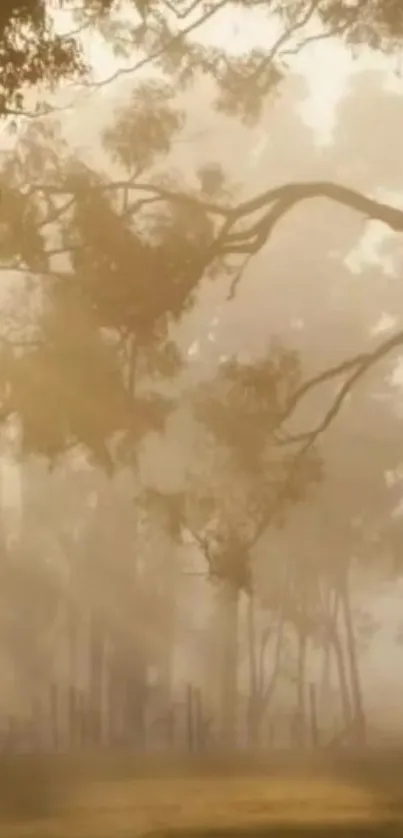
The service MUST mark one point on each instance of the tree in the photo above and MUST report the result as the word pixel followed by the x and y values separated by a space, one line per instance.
pixel 356 23
pixel 85 612
pixel 33 52
pixel 88 245
pixel 97 326
pixel 242 484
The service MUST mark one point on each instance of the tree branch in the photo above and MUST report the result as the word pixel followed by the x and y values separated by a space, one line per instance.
pixel 281 200
pixel 277 202
pixel 360 365
pixel 159 51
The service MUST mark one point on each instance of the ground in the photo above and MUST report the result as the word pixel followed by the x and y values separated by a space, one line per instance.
pixel 103 797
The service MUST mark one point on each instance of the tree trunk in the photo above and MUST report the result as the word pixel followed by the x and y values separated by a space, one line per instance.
pixel 114 699
pixel 96 682
pixel 301 687
pixel 313 716
pixel 72 623
pixel 254 698
pixel 229 666
pixel 341 667
pixel 356 690
pixel 136 699
pixel 261 685
pixel 326 677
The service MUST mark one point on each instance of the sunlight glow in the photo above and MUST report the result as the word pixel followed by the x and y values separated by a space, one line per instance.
pixel 325 65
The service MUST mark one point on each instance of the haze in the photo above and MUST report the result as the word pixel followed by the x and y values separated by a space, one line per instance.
pixel 325 285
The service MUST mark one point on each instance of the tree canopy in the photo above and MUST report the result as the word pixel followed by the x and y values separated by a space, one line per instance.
pixel 32 51
pixel 62 219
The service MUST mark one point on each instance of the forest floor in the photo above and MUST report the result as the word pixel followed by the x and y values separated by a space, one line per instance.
pixel 102 799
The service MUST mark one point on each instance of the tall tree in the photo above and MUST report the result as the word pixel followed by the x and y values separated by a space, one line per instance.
pixel 243 483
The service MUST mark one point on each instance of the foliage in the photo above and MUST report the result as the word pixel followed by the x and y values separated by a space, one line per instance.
pixel 246 480
pixel 144 127
pixel 98 324
pixel 32 52
pixel 378 24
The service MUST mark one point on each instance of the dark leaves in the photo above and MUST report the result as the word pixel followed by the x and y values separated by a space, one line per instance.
pixel 31 53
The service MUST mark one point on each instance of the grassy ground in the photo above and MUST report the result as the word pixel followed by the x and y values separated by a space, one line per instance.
pixel 114 798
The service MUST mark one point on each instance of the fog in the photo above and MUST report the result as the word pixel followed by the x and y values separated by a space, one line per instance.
pixel 122 623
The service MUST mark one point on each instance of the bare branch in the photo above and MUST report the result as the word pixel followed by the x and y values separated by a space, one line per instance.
pixel 160 51
pixel 360 365
pixel 285 36
pixel 352 15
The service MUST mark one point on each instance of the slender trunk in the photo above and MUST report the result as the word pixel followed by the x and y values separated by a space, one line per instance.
pixel 313 716
pixel 268 688
pixel 114 699
pixel 301 686
pixel 136 699
pixel 54 715
pixel 254 692
pixel 72 645
pixel 356 690
pixel 96 680
pixel 341 667
pixel 189 719
pixel 330 615
pixel 171 579
pixel 229 666
pixel 199 720
pixel 262 687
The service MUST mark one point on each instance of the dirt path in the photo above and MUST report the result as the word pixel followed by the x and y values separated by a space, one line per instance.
pixel 191 805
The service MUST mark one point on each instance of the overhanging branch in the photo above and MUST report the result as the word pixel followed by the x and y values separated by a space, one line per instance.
pixel 278 202
pixel 357 367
